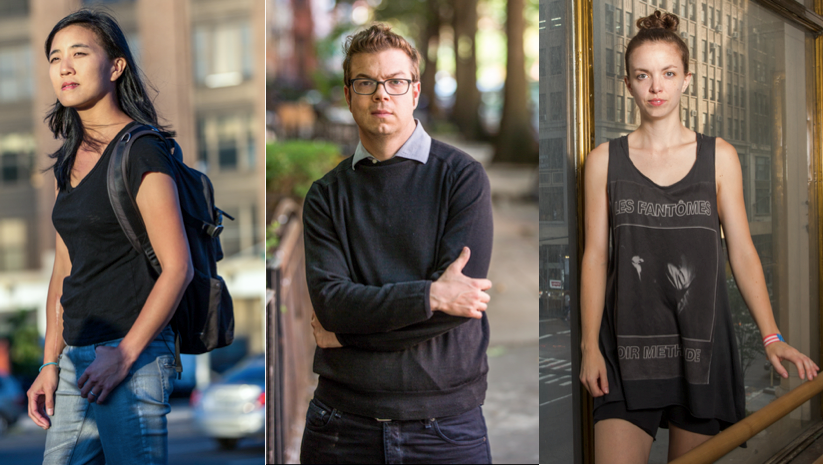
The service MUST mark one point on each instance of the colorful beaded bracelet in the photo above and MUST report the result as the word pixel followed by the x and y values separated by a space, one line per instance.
pixel 772 338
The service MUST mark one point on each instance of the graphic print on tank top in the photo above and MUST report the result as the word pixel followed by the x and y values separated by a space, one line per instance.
pixel 666 252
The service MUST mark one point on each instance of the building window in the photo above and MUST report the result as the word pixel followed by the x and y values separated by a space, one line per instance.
pixel 630 109
pixel 629 24
pixel 223 54
pixel 12 244
pixel 621 111
pixel 762 186
pixel 16 80
pixel 618 21
pixel 711 89
pixel 609 62
pixel 610 107
pixel 542 107
pixel 556 14
pixel 705 87
pixel 620 65
pixel 703 13
pixel 609 18
pixel 556 105
pixel 542 62
pixel 226 141
pixel 705 51
pixel 693 43
pixel 555 61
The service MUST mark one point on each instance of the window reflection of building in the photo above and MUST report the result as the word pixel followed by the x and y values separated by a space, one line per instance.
pixel 12 244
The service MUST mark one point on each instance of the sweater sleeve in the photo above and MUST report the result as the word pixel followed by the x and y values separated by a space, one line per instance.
pixel 469 224
pixel 338 301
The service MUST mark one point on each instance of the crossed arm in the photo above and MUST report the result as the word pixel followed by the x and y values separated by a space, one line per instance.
pixel 397 316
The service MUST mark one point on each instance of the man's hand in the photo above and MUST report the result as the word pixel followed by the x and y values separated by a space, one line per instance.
pixel 458 295
pixel 323 338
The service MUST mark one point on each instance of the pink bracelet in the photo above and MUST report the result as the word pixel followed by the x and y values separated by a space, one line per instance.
pixel 772 338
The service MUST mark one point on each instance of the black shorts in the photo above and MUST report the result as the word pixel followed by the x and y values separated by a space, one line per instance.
pixel 649 420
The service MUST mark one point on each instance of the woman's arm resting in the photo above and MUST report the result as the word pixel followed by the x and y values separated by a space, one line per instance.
pixel 41 393
pixel 593 270
pixel 157 200
pixel 746 266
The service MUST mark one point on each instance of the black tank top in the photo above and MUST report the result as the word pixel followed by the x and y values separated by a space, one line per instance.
pixel 666 333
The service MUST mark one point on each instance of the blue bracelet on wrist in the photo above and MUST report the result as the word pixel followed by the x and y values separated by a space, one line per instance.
pixel 45 365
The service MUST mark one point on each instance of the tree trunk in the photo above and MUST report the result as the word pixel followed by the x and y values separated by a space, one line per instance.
pixel 515 141
pixel 428 49
pixel 467 98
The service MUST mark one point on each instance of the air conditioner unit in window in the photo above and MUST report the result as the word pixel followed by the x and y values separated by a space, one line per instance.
pixel 734 35
pixel 693 113
pixel 684 35
pixel 719 27
pixel 691 1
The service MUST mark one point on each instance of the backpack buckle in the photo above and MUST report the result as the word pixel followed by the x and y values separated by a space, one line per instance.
pixel 212 230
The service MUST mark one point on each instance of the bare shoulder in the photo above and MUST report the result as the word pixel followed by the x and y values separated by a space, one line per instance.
pixel 597 162
pixel 726 160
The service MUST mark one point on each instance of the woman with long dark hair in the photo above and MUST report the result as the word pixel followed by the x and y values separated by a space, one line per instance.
pixel 102 392
pixel 658 346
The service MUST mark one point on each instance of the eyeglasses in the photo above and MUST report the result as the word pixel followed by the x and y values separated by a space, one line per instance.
pixel 369 86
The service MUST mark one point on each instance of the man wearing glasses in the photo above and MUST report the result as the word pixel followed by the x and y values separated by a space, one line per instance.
pixel 398 241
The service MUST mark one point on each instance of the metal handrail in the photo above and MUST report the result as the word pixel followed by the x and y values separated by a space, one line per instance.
pixel 735 435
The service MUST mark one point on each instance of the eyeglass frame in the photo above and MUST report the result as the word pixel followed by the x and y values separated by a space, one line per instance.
pixel 409 81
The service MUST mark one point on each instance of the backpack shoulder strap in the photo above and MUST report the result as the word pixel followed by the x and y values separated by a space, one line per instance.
pixel 122 200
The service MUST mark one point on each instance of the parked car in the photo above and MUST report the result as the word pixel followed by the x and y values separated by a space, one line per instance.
pixel 12 402
pixel 234 407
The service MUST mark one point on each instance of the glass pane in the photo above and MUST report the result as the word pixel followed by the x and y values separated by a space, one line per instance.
pixel 759 62
pixel 557 245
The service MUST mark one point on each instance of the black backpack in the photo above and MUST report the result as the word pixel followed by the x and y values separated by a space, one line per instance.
pixel 204 320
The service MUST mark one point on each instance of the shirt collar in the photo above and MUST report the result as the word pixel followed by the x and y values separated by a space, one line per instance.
pixel 416 147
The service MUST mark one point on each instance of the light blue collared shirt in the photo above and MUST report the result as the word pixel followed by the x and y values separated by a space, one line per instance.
pixel 417 147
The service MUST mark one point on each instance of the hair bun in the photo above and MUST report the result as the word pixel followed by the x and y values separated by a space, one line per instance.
pixel 659 20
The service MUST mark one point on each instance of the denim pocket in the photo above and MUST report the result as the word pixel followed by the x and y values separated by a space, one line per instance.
pixel 466 429
pixel 320 417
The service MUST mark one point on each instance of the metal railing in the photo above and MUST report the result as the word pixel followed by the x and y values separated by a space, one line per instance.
pixel 289 341
pixel 735 435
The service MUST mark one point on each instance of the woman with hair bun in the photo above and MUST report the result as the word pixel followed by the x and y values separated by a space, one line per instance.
pixel 657 339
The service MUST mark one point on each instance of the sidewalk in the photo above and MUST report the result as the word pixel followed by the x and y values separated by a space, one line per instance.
pixel 512 397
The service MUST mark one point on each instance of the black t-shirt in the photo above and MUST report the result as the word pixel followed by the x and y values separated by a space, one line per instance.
pixel 667 332
pixel 109 280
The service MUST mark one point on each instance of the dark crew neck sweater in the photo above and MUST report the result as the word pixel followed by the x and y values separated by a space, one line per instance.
pixel 376 237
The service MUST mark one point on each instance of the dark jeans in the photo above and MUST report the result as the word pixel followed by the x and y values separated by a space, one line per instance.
pixel 332 436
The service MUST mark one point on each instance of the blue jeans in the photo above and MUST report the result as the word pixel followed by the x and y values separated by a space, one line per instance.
pixel 130 426
pixel 332 436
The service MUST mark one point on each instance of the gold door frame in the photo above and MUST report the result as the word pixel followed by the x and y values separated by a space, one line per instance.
pixel 581 135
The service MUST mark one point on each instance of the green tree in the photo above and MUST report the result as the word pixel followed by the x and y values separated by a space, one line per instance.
pixel 515 142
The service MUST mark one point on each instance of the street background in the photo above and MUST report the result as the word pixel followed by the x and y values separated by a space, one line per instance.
pixel 203 59
pixel 479 74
